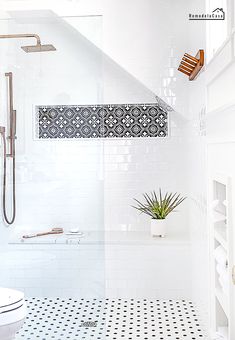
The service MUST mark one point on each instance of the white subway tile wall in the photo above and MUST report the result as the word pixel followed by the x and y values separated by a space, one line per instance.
pixel 90 185
pixel 98 271
pixel 133 167
pixel 64 181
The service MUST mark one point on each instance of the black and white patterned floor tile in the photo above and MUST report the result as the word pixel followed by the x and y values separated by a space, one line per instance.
pixel 133 319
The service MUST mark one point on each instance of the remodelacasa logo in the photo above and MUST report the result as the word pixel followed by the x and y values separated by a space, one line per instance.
pixel 217 14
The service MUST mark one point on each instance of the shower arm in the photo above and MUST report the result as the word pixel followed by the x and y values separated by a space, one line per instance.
pixel 15 36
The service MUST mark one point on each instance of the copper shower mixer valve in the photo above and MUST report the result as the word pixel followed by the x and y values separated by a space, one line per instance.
pixel 190 65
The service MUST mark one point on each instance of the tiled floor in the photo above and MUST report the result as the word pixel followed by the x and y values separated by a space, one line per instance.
pixel 61 319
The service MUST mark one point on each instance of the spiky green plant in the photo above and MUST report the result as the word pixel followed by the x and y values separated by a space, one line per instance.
pixel 158 207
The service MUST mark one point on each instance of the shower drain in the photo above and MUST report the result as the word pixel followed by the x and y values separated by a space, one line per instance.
pixel 89 324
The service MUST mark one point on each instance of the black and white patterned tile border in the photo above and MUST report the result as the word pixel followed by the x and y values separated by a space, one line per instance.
pixel 102 121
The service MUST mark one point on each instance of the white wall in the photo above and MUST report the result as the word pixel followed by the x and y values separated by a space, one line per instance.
pixel 157 36
pixel 196 131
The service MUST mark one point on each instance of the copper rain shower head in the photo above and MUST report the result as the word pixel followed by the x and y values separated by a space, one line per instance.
pixel 32 48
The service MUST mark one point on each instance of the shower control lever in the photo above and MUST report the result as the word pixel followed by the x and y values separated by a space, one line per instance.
pixel 9 137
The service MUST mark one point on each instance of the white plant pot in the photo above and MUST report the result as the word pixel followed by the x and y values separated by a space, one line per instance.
pixel 158 228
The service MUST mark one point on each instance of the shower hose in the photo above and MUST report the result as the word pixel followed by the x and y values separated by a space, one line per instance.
pixel 9 220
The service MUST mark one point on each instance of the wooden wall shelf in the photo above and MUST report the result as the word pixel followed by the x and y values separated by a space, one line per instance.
pixel 190 65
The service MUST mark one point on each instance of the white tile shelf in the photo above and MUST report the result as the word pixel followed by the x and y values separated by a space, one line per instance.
pixel 223 300
pixel 101 237
pixel 218 217
pixel 225 109
pixel 220 234
pixel 48 239
pixel 143 237
pixel 220 206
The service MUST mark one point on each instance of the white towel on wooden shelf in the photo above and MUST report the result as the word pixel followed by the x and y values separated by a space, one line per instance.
pixel 223 272
pixel 221 256
pixel 223 331
pixel 214 203
pixel 217 336
pixel 224 285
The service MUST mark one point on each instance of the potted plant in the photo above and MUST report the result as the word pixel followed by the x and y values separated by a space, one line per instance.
pixel 158 208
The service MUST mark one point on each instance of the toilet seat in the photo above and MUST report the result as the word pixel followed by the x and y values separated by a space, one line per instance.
pixel 9 297
pixel 12 306
pixel 13 316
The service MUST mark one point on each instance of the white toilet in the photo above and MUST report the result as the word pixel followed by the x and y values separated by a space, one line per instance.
pixel 12 312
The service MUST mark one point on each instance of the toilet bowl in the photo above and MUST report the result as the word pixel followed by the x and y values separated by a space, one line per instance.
pixel 12 312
